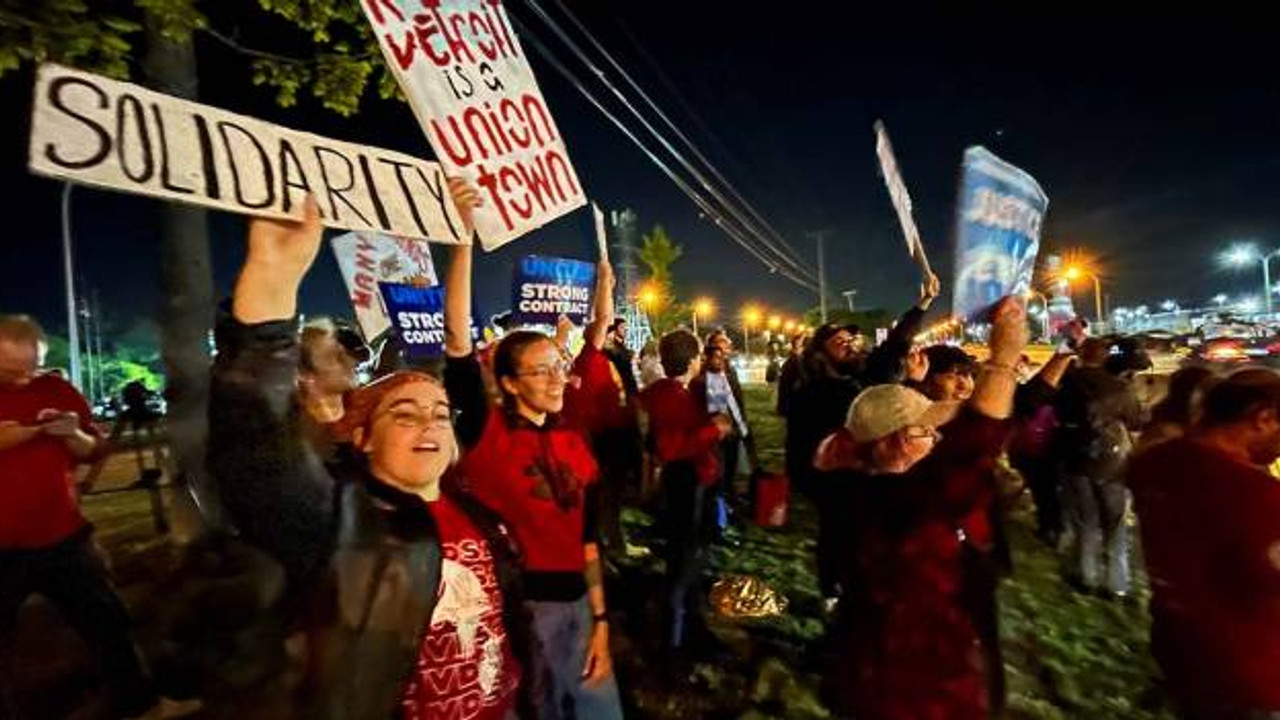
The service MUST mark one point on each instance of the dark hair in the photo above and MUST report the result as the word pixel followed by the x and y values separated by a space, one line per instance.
pixel 1179 403
pixel 676 352
pixel 1240 396
pixel 711 336
pixel 613 326
pixel 853 329
pixel 947 358
pixel 510 348
pixel 1127 354
pixel 821 336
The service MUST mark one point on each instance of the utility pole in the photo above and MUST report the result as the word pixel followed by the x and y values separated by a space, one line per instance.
pixel 68 273
pixel 820 237
pixel 848 296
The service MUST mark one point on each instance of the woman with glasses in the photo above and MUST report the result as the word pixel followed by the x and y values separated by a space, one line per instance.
pixel 541 478
pixel 908 645
pixel 403 585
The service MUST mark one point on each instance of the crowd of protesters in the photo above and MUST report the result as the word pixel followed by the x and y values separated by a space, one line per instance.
pixel 433 543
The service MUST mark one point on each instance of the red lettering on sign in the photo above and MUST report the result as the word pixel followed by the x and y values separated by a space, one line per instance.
pixel 376 7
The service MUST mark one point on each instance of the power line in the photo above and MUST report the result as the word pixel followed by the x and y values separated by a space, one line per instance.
pixel 600 75
pixel 700 201
pixel 799 261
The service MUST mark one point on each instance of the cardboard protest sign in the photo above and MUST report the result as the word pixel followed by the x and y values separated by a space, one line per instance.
pixel 544 288
pixel 92 130
pixel 417 315
pixel 368 259
pixel 1001 210
pixel 461 66
pixel 899 197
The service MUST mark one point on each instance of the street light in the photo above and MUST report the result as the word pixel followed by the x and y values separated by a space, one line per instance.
pixel 1169 306
pixel 775 322
pixel 702 307
pixel 1220 299
pixel 1242 254
pixel 1075 272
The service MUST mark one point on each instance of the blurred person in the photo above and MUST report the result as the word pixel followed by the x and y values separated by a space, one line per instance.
pixel 1097 409
pixel 601 406
pixel 831 374
pixel 46 545
pixel 1209 515
pixel 650 365
pixel 686 439
pixel 789 374
pixel 1178 411
pixel 717 387
pixel 409 578
pixel 922 477
pixel 542 478
pixel 621 356
pixel 949 377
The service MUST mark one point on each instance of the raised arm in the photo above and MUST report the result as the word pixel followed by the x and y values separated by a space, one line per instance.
pixel 271 482
pixel 998 378
pixel 887 362
pixel 603 316
pixel 463 380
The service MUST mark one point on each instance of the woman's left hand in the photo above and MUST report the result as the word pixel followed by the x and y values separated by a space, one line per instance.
pixel 599 665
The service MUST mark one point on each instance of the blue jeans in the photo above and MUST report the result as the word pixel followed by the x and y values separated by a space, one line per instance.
pixel 1096 510
pixel 562 637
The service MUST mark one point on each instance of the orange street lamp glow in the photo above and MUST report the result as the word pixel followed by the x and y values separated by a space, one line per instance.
pixel 751 315
pixel 789 326
pixel 704 308
pixel 775 322
pixel 648 295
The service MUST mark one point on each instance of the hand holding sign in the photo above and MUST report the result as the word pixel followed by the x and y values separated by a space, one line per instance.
pixel 466 198
pixel 929 291
pixel 280 254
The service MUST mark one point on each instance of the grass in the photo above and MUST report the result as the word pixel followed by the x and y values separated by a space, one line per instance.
pixel 1067 656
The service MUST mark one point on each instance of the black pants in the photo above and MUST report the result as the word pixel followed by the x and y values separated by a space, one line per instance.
pixel 1046 490
pixel 71 576
pixel 836 535
pixel 690 523
pixel 618 453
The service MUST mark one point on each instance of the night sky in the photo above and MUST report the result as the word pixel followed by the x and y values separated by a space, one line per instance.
pixel 1155 135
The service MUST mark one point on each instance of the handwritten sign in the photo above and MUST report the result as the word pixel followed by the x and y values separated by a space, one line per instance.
pixel 899 196
pixel 1001 210
pixel 369 259
pixel 92 130
pixel 544 288
pixel 461 66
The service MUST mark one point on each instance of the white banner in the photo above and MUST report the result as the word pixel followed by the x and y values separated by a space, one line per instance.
pixel 367 259
pixel 461 66
pixel 899 196
pixel 96 131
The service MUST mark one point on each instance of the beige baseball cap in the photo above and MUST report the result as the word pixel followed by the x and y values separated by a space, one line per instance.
pixel 882 410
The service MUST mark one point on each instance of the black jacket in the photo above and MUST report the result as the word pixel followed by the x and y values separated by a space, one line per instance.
pixel 1096 410
pixel 362 559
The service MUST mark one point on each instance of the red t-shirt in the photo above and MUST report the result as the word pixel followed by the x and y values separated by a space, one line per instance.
pixel 38 504
pixel 681 429
pixel 599 402
pixel 465 666
pixel 1211 536
pixel 513 470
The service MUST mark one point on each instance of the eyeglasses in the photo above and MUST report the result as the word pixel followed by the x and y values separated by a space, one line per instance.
pixel 559 371
pixel 439 415
pixel 923 433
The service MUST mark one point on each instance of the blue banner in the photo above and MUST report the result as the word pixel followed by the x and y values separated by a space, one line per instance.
pixel 544 288
pixel 417 318
pixel 1001 210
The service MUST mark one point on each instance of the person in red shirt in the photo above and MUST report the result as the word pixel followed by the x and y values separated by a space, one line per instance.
pixel 686 440
pixel 403 584
pixel 539 475
pixel 45 545
pixel 922 484
pixel 1209 513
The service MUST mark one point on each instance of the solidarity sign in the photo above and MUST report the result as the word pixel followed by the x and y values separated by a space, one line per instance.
pixel 96 131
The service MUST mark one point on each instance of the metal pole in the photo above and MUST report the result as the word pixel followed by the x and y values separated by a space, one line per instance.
pixel 1266 283
pixel 1097 297
pixel 695 324
pixel 822 278
pixel 73 324
pixel 746 342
